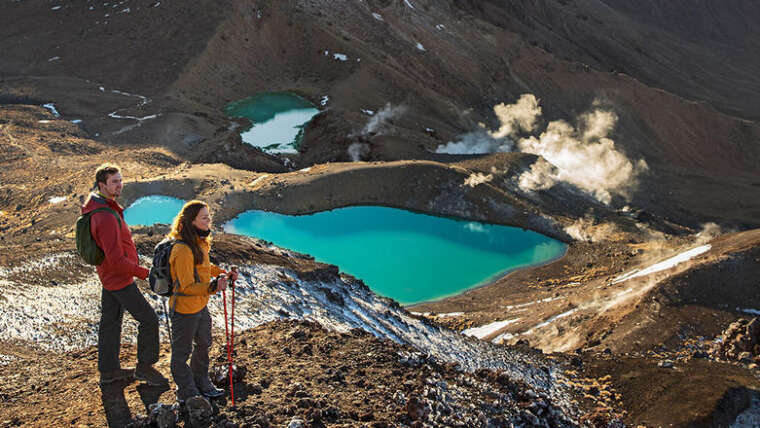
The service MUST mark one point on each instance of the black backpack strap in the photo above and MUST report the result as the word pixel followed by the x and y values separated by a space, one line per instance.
pixel 110 210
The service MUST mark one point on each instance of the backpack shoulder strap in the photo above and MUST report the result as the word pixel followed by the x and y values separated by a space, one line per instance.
pixel 107 209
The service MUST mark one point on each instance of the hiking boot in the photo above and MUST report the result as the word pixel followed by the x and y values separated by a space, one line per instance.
pixel 184 394
pixel 115 376
pixel 207 388
pixel 199 410
pixel 150 376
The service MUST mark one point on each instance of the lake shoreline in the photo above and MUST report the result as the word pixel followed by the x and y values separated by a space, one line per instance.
pixel 493 280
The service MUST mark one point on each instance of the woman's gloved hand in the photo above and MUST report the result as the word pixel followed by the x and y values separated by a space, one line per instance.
pixel 221 282
pixel 218 284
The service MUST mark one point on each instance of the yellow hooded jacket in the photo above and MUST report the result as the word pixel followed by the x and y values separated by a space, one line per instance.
pixel 195 293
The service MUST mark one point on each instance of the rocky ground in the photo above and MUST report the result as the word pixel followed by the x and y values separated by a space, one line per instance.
pixel 296 371
pixel 641 316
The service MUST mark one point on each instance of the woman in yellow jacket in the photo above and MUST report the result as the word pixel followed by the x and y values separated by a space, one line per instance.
pixel 192 274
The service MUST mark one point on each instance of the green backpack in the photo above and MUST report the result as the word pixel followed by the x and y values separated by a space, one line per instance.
pixel 86 246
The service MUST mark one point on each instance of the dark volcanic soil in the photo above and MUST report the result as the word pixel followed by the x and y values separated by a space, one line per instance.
pixel 143 83
pixel 295 370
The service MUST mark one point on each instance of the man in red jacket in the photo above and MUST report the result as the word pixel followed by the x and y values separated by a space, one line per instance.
pixel 119 291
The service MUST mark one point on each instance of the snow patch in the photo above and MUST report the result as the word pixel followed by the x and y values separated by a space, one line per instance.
pixel 551 320
pixel 749 311
pixel 323 102
pixel 485 330
pixel 52 109
pixel 377 16
pixel 258 179
pixel 409 4
pixel 368 112
pixel 57 199
pixel 420 47
pixel 55 7
pixel 340 57
pixel 663 265
pixel 55 58
pixel 523 305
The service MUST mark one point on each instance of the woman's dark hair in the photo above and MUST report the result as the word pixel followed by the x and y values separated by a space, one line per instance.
pixel 183 229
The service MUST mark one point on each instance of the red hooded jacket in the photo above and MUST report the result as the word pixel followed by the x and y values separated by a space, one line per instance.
pixel 121 264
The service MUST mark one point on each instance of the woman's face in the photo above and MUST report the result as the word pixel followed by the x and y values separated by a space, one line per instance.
pixel 203 219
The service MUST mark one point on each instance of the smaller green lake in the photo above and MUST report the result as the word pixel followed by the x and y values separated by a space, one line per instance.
pixel 278 120
pixel 153 209
pixel 400 254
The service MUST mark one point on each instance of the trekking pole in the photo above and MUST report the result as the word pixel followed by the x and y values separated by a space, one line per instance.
pixel 232 338
pixel 227 338
pixel 168 325
pixel 232 322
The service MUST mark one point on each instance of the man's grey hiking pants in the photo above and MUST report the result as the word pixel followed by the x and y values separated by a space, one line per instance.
pixel 186 329
pixel 109 335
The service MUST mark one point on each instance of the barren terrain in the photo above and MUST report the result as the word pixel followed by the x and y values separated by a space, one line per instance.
pixel 650 279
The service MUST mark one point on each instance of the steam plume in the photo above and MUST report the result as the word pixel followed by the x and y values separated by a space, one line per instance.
pixel 513 117
pixel 585 157
pixel 477 178
pixel 358 151
pixel 380 123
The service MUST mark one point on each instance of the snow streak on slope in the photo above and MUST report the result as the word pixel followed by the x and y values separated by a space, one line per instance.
pixel 665 264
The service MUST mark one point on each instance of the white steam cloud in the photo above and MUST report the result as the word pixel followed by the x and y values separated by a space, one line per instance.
pixel 358 151
pixel 585 229
pixel 585 156
pixel 476 143
pixel 380 123
pixel 540 176
pixel 513 117
pixel 709 232
pixel 477 178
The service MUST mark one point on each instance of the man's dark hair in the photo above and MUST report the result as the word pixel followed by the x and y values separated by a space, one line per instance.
pixel 104 171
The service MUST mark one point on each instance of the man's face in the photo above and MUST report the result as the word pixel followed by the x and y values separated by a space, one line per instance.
pixel 112 188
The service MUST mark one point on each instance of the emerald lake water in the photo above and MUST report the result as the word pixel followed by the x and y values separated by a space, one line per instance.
pixel 407 256
pixel 153 209
pixel 278 120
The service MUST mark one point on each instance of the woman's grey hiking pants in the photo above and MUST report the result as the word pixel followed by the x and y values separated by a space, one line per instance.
pixel 113 304
pixel 186 329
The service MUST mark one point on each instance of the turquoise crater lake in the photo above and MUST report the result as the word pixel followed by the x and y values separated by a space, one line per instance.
pixel 278 120
pixel 153 209
pixel 407 256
